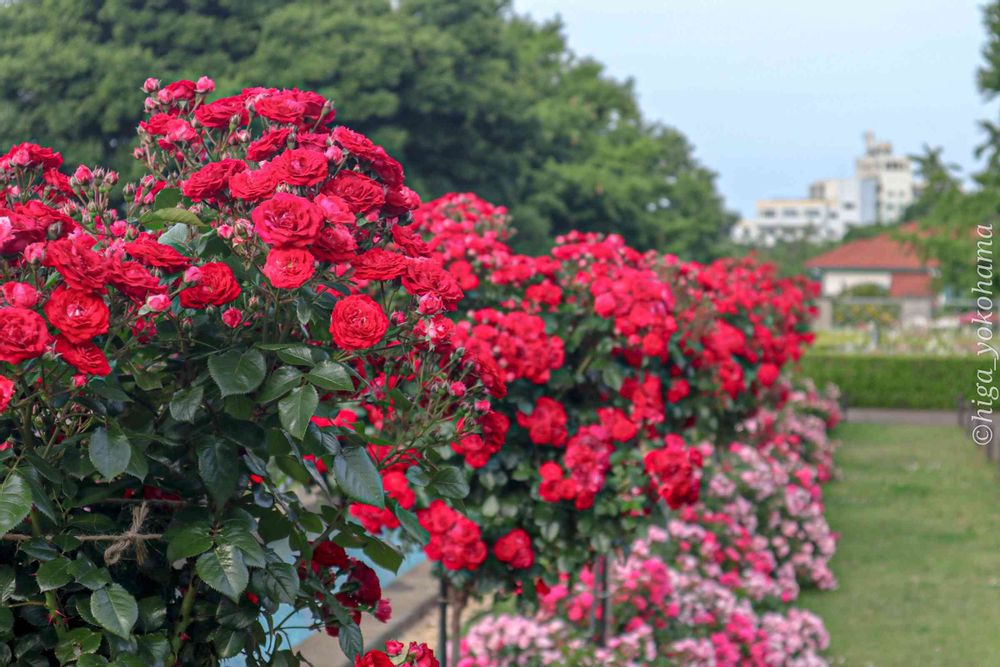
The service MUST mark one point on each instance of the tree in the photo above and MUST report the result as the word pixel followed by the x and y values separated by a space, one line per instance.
pixel 466 93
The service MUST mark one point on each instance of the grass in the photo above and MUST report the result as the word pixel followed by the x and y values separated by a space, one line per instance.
pixel 918 510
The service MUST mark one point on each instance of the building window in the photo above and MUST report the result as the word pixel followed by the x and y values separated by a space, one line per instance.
pixel 848 206
pixel 812 212
pixel 789 213
pixel 767 213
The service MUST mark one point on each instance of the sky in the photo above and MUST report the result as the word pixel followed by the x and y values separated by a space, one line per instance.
pixel 774 94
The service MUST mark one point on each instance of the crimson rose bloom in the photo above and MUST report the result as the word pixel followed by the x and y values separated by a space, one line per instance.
pixel 301 166
pixel 355 142
pixel 79 266
pixel 373 658
pixel 768 374
pixel 546 424
pixel 134 281
pixel 6 392
pixel 78 314
pixel 270 143
pixel 212 179
pixel 85 357
pixel 287 221
pixel 361 193
pixel 289 268
pixel 253 185
pixel 357 322
pixel 379 264
pixel 23 334
pixel 217 287
pixel 220 112
pixel 427 277
pixel 151 252
pixel 514 548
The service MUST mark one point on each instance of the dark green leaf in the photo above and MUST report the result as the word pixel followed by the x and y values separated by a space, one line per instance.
pixel 237 534
pixel 115 610
pixel 408 520
pixel 297 355
pixel 167 198
pixel 351 641
pixel 296 409
pixel 279 383
pixel 223 569
pixel 185 403
pixel 449 483
pixel 188 539
pixel 383 554
pixel 217 465
pixel 331 376
pixel 237 373
pixel 279 581
pixel 357 475
pixel 110 451
pixel 15 501
pixel 54 574
pixel 77 643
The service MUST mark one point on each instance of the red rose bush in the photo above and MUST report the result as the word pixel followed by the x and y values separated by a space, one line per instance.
pixel 195 391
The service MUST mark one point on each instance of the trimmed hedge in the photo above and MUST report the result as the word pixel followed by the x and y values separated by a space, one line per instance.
pixel 895 381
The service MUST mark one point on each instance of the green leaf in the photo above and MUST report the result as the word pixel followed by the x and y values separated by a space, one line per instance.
pixel 54 574
pixel 185 403
pixel 110 451
pixel 8 582
pixel 351 641
pixel 172 215
pixel 152 613
pixel 228 642
pixel 77 643
pixel 357 475
pixel 188 539
pixel 383 554
pixel 237 373
pixel 217 465
pixel 297 355
pixel 279 383
pixel 408 520
pixel 280 582
pixel 449 483
pixel 237 534
pixel 296 409
pixel 223 569
pixel 331 376
pixel 137 466
pixel 167 198
pixel 115 610
pixel 15 501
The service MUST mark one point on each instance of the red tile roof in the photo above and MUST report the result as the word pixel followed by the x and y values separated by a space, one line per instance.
pixel 910 284
pixel 879 252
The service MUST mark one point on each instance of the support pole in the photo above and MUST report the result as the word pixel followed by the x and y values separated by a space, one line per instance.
pixel 442 654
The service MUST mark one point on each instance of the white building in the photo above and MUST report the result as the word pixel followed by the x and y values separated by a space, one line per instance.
pixel 880 190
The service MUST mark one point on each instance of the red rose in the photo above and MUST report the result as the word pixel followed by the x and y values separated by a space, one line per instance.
pixel 301 166
pixel 151 252
pixel 410 242
pixel 85 357
pixel 329 554
pixel 357 322
pixel 23 334
pixel 373 658
pixel 78 314
pixel 281 107
pixel 287 221
pixel 335 243
pixel 335 210
pixel 134 281
pixel 212 179
pixel 361 193
pixel 216 287
pixel 379 264
pixel 768 374
pixel 619 426
pixel 289 268
pixel 514 548
pixel 269 144
pixel 24 230
pixel 79 266
pixel 427 277
pixel 672 472
pixel 220 113
pixel 355 142
pixel 546 424
pixel 178 90
pixel 21 295
pixel 387 168
pixel 6 392
pixel 253 185
pixel 31 155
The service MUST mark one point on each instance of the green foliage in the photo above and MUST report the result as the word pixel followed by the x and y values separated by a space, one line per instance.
pixel 468 95
pixel 882 381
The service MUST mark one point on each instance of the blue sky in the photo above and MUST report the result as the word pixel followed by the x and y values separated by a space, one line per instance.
pixel 774 94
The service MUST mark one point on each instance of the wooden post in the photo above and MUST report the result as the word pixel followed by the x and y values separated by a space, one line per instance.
pixel 442 654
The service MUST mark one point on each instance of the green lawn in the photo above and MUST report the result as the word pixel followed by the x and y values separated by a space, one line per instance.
pixel 918 512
